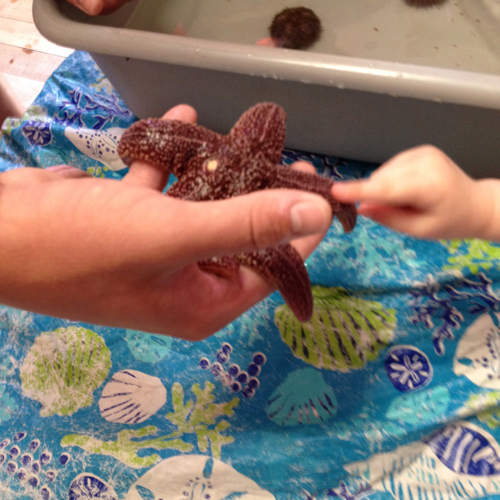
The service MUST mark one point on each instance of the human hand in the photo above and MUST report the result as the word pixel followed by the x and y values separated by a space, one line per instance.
pixel 122 254
pixel 98 7
pixel 422 192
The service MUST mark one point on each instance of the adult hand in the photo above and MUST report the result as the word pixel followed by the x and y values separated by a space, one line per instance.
pixel 422 192
pixel 120 253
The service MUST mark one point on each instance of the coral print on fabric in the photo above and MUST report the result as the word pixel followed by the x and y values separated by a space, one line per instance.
pixel 389 390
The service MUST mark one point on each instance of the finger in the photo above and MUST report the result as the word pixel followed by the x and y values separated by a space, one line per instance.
pixel 31 175
pixel 389 186
pixel 407 220
pixel 349 191
pixel 143 174
pixel 90 7
pixel 240 224
pixel 303 166
pixel 98 7
pixel 182 112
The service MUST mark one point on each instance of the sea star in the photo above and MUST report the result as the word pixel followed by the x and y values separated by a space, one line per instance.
pixel 211 166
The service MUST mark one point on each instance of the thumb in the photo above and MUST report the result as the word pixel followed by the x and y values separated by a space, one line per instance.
pixel 250 222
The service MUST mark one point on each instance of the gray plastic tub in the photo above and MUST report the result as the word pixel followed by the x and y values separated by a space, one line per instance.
pixel 383 78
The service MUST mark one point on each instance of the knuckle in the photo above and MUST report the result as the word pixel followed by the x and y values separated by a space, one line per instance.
pixel 266 225
pixel 429 150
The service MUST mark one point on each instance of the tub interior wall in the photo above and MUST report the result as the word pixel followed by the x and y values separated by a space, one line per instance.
pixel 460 34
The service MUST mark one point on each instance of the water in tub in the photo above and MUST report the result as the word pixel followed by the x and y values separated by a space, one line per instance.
pixel 460 34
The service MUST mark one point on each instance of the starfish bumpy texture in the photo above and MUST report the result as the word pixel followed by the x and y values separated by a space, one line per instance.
pixel 211 166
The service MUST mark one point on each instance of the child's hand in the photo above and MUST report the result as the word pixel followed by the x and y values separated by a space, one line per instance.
pixel 423 193
pixel 120 253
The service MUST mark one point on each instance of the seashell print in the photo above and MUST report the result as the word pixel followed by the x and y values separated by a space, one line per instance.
pixel 148 347
pixel 478 353
pixel 303 398
pixel 86 486
pixel 131 397
pixel 98 144
pixel 466 448
pixel 344 332
pixel 63 368
pixel 195 477
pixel 460 461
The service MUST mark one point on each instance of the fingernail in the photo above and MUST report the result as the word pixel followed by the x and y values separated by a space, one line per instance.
pixel 310 216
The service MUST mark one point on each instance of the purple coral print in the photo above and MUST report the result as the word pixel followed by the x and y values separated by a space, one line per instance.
pixel 77 110
pixel 430 299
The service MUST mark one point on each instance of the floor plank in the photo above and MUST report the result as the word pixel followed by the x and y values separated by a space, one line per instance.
pixel 25 35
pixel 19 10
pixel 27 59
pixel 27 63
pixel 24 89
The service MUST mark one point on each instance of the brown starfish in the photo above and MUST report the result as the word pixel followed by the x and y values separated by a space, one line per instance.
pixel 211 166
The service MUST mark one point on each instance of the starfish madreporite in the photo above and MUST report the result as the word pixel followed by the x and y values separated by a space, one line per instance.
pixel 212 166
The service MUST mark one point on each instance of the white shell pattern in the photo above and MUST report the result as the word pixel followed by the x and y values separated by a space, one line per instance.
pixel 195 477
pixel 98 144
pixel 478 353
pixel 131 397
pixel 415 471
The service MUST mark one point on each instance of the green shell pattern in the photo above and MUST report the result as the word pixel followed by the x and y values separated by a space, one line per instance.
pixel 63 368
pixel 343 334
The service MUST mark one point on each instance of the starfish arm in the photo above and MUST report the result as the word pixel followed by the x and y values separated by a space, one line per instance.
pixel 294 179
pixel 187 187
pixel 166 143
pixel 283 267
pixel 225 266
pixel 263 128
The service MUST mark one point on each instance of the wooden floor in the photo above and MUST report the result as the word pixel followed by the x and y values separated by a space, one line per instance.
pixel 26 58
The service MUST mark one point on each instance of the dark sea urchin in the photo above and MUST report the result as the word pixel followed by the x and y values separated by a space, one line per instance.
pixel 295 28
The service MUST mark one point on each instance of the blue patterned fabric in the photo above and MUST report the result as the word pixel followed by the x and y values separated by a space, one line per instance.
pixel 391 391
